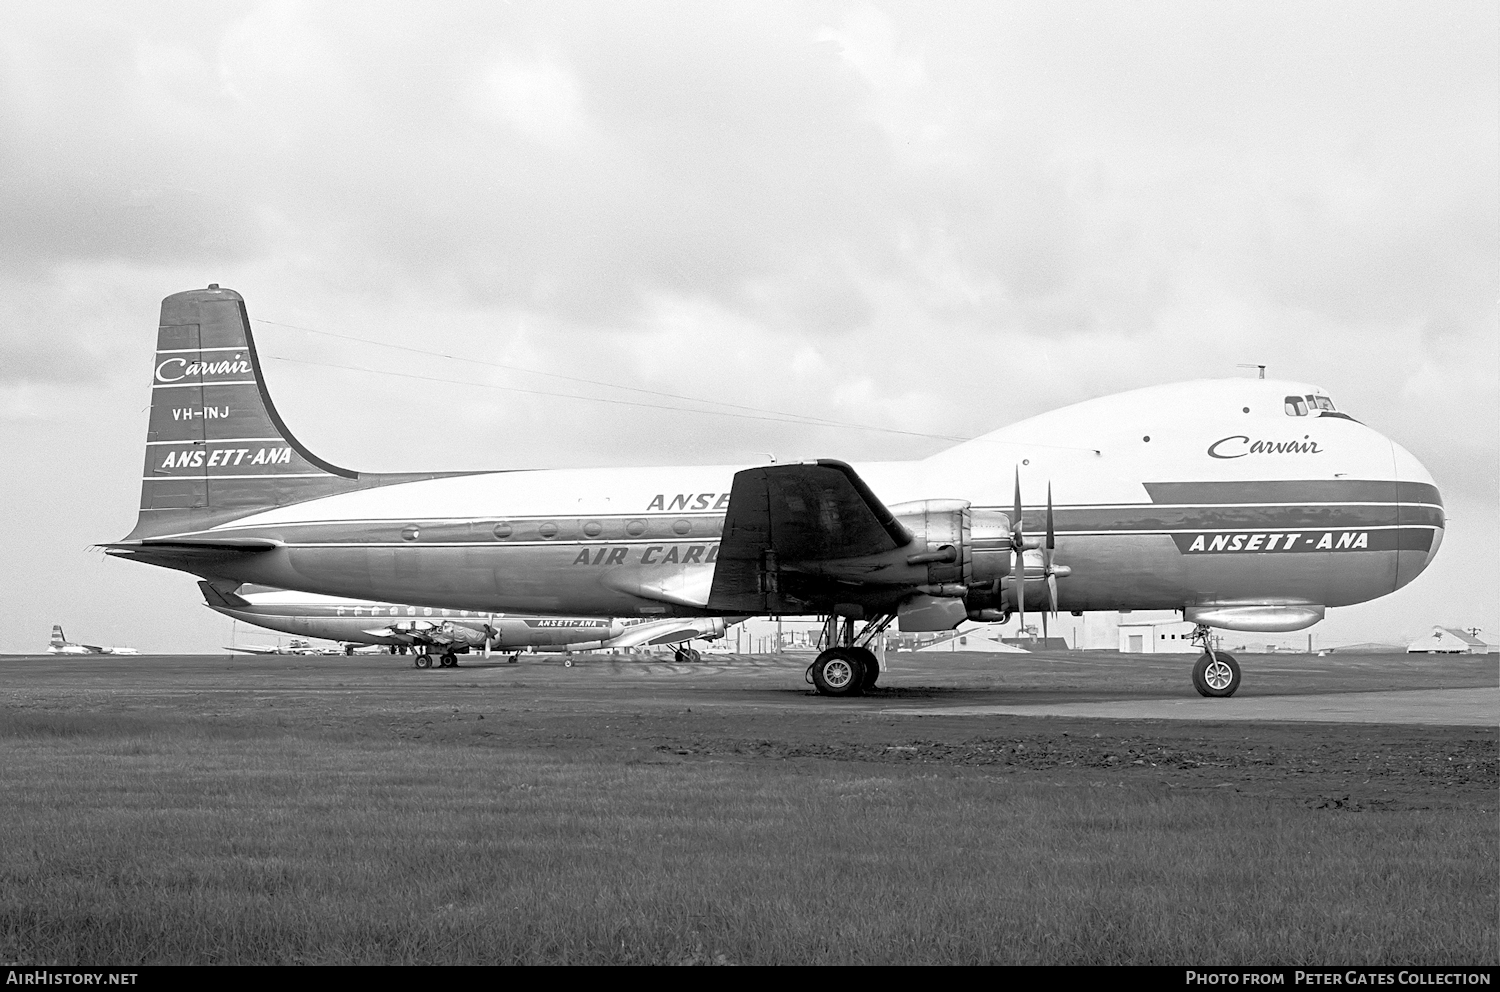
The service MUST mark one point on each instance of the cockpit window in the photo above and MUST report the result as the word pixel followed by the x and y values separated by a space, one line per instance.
pixel 1296 407
pixel 1324 403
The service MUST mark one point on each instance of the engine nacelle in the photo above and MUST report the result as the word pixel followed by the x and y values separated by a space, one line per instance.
pixel 957 543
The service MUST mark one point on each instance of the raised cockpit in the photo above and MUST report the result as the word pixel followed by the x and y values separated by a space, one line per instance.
pixel 1301 406
pixel 1313 405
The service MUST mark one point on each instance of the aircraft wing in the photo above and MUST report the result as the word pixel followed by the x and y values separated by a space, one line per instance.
pixel 423 632
pixel 809 511
pixel 253 648
pixel 668 631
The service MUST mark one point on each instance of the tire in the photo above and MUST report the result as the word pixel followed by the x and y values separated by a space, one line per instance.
pixel 424 660
pixel 871 665
pixel 838 672
pixel 450 661
pixel 694 656
pixel 567 662
pixel 1217 676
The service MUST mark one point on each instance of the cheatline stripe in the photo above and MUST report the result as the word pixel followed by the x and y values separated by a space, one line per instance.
pixel 217 440
pixel 1152 522
pixel 712 539
pixel 220 478
pixel 658 515
pixel 452 521
pixel 1298 490
pixel 194 351
pixel 225 382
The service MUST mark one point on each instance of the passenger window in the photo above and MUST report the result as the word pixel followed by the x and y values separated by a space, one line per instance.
pixel 1295 407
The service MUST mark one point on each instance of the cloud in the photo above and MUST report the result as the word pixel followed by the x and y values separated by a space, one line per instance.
pixel 925 218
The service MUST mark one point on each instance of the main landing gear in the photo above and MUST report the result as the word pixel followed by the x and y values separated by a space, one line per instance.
pixel 685 654
pixel 846 668
pixel 1216 672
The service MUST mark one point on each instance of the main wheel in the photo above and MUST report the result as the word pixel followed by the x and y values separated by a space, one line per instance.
pixel 424 660
pixel 567 662
pixel 871 666
pixel 694 656
pixel 1217 675
pixel 838 672
pixel 450 661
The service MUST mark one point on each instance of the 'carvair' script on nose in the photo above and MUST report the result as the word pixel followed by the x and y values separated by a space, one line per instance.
pixel 1238 446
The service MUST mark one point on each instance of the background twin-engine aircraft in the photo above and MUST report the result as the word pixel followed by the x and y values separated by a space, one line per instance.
pixel 427 631
pixel 59 644
pixel 1245 504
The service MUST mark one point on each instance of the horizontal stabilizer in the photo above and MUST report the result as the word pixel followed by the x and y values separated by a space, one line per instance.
pixel 190 556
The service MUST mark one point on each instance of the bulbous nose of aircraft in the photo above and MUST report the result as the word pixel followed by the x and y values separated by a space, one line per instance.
pixel 1420 517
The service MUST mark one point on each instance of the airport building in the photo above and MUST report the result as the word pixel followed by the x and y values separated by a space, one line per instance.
pixel 1448 640
pixel 1156 637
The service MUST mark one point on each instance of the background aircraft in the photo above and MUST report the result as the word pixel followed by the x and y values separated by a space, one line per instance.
pixel 1246 504
pixel 428 631
pixel 294 646
pixel 61 645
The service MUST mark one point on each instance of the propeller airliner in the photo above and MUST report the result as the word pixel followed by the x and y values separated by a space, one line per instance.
pixel 59 644
pixel 445 633
pixel 1246 504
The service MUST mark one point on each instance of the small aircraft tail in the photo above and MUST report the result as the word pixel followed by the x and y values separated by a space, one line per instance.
pixel 216 448
pixel 58 640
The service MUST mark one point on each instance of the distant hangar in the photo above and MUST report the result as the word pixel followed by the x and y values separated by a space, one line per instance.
pixel 1448 640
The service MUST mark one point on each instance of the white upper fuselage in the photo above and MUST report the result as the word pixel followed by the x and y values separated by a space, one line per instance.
pixel 1207 492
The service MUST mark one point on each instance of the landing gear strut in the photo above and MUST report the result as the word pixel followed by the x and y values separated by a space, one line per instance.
pixel 1216 672
pixel 847 667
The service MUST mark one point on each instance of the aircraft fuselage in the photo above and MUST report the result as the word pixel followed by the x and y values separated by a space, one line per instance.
pixel 1193 494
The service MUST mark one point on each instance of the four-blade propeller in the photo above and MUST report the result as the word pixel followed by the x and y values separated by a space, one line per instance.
pixel 1019 545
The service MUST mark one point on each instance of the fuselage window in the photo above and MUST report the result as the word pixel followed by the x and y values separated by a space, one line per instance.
pixel 1295 407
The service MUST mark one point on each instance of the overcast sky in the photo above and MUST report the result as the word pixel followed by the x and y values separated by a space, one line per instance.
pixel 935 218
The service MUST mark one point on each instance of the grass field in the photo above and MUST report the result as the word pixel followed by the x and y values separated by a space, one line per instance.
pixel 356 811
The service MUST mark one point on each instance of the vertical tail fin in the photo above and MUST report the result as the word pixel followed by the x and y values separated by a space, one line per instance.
pixel 216 448
pixel 58 640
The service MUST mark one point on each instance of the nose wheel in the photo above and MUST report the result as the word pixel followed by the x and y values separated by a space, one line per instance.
pixel 1216 673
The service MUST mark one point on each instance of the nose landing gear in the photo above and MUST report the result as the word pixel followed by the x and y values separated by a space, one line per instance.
pixel 1216 673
